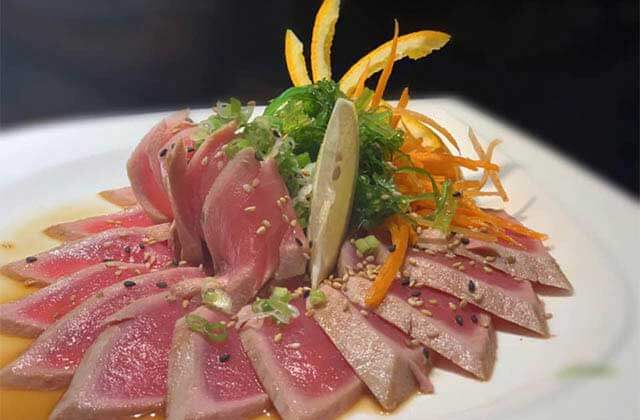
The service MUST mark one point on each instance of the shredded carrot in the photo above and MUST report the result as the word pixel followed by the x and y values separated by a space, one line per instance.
pixel 361 81
pixel 388 67
pixel 402 104
pixel 432 123
pixel 400 232
pixel 435 158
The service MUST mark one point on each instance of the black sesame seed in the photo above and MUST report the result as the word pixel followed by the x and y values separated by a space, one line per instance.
pixel 425 353
pixel 471 286
pixel 31 259
pixel 306 293
pixel 163 152
pixel 107 259
pixel 161 284
pixel 474 318
pixel 175 262
pixel 464 240
pixel 127 249
pixel 224 357
pixel 310 244
pixel 416 293
pixel 190 149
pixel 129 283
pixel 298 241
pixel 459 320
pixel 173 145
pixel 457 194
pixel 141 245
pixel 405 281
pixel 392 247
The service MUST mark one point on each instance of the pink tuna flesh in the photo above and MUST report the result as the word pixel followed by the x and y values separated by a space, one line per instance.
pixel 304 374
pixel 125 371
pixel 69 231
pixel 132 245
pixel 29 316
pixel 123 197
pixel 144 169
pixel 211 379
pixel 242 221
pixel 53 357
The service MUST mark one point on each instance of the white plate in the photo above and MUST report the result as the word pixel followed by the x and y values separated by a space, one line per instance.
pixel 594 232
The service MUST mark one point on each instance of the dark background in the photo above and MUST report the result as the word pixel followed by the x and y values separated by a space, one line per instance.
pixel 566 71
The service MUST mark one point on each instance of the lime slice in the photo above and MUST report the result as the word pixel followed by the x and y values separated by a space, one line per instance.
pixel 333 189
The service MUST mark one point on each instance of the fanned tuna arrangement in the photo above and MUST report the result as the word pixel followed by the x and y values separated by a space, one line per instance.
pixel 291 261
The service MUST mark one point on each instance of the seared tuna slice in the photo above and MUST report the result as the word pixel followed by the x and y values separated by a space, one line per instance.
pixel 463 335
pixel 144 169
pixel 377 351
pixel 211 380
pixel 124 372
pixel 53 357
pixel 189 181
pixel 123 197
pixel 492 290
pixel 531 261
pixel 70 231
pixel 244 224
pixel 300 369
pixel 29 316
pixel 133 245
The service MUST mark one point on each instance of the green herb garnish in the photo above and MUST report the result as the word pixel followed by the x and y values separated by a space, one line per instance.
pixel 367 245
pixel 317 298
pixel 277 306
pixel 213 331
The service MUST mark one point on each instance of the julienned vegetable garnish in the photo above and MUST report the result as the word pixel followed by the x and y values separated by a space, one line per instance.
pixel 407 178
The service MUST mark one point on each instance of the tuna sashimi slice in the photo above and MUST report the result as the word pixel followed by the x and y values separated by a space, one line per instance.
pixel 531 261
pixel 53 357
pixel 123 196
pixel 492 290
pixel 124 372
pixel 463 335
pixel 133 245
pixel 29 316
pixel 303 373
pixel 210 380
pixel 144 169
pixel 69 231
pixel 244 223
pixel 377 352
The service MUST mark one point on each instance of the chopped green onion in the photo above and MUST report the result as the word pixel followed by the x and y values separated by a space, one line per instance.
pixel 277 306
pixel 317 298
pixel 367 245
pixel 214 331
pixel 217 298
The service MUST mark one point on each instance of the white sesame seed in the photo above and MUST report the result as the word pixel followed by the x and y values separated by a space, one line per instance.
pixel 426 312
pixel 250 209
pixel 217 155
pixel 247 188
pixel 285 218
pixel 487 269
pixel 266 223
pixel 185 303
pixel 255 182
pixel 261 230
pixel 204 161
pixel 371 258
pixel 452 306
pixel 293 346
pixel 293 223
pixel 277 338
